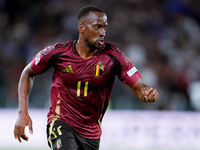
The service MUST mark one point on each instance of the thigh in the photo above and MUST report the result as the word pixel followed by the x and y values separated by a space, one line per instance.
pixel 85 143
pixel 59 137
pixel 88 144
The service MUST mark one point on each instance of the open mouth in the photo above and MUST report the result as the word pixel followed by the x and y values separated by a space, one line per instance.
pixel 101 42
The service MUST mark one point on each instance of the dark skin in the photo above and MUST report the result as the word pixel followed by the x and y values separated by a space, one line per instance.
pixel 92 30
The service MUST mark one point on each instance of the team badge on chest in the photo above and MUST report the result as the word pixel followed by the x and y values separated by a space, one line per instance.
pixel 99 69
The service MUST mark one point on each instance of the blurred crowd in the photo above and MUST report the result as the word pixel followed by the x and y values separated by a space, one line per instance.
pixel 161 38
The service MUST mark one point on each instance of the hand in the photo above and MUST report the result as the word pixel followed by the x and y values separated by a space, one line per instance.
pixel 150 94
pixel 22 121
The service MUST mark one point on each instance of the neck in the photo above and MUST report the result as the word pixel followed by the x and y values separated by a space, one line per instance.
pixel 83 50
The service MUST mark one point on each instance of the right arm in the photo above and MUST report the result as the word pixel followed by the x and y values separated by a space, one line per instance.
pixel 24 88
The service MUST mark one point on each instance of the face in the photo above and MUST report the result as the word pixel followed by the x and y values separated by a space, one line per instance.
pixel 94 29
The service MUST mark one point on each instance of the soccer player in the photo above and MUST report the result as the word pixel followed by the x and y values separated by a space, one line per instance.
pixel 84 72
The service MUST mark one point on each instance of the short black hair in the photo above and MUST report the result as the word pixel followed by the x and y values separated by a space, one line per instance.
pixel 86 9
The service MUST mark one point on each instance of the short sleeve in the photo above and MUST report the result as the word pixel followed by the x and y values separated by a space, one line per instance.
pixel 39 62
pixel 126 71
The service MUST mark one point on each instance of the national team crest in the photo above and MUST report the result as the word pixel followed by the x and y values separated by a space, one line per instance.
pixel 99 69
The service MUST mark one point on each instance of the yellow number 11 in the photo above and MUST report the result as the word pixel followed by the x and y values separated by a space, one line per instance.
pixel 79 88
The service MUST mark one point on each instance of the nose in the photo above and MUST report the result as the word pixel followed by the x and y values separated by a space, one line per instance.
pixel 102 32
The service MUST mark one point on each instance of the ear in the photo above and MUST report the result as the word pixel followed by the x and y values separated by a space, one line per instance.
pixel 81 28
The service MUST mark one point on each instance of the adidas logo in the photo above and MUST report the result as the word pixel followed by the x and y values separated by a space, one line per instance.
pixel 68 69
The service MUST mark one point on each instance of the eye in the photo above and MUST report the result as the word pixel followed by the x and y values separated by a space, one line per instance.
pixel 97 27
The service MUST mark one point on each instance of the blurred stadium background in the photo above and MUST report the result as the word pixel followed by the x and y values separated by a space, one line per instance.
pixel 161 38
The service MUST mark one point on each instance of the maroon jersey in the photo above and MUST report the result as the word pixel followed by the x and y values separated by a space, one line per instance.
pixel 81 89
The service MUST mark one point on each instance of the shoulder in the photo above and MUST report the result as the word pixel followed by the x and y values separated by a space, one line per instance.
pixel 63 44
pixel 114 51
pixel 109 48
pixel 56 48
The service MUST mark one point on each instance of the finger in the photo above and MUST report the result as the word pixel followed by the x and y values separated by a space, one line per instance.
pixel 143 91
pixel 17 133
pixel 24 137
pixel 144 94
pixel 22 134
pixel 30 127
pixel 156 96
pixel 19 139
pixel 148 91
pixel 152 95
pixel 154 92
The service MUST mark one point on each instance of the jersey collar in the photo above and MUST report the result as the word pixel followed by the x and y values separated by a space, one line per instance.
pixel 77 54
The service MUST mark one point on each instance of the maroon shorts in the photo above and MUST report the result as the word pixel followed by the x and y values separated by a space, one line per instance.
pixel 62 137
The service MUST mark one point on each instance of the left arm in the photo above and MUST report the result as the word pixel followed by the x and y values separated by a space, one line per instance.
pixel 143 92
